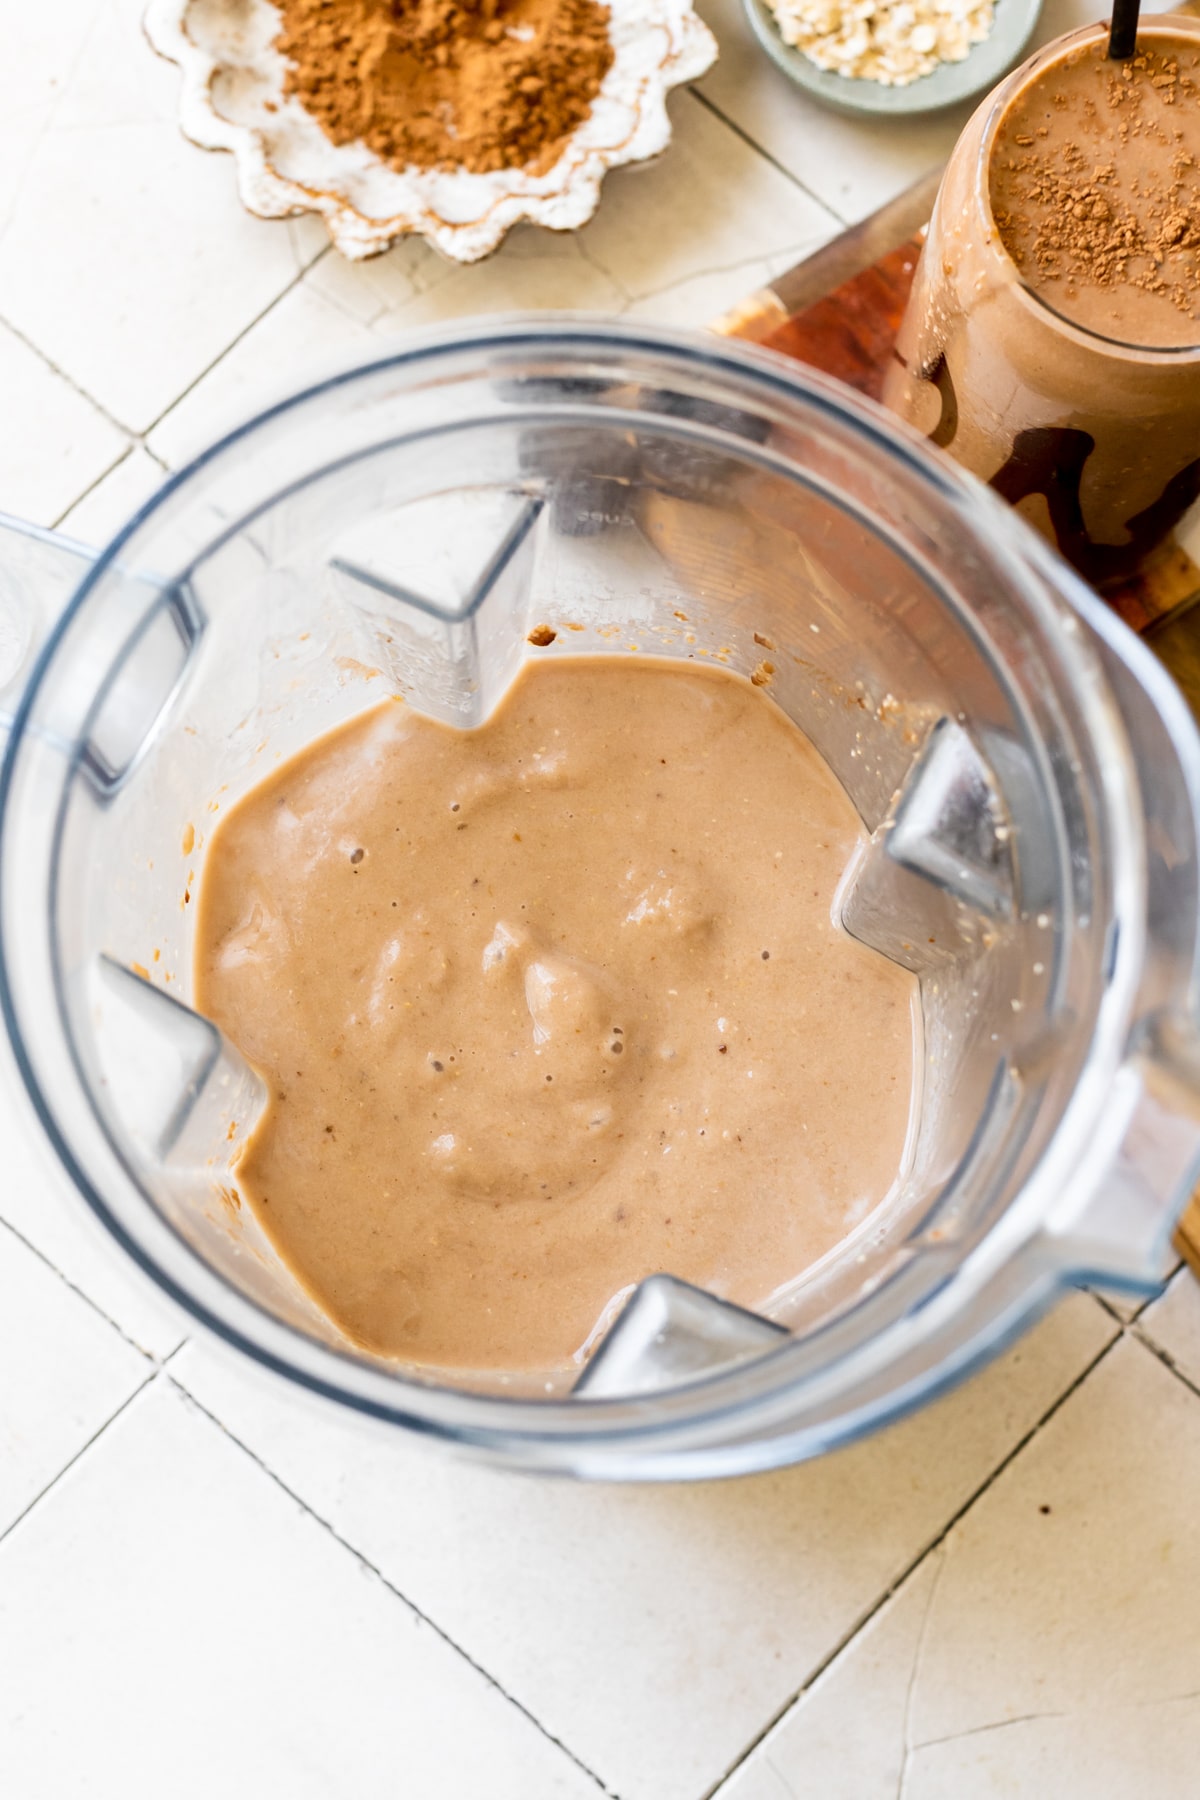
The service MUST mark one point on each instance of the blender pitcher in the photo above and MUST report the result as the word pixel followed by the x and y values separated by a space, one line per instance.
pixel 1027 775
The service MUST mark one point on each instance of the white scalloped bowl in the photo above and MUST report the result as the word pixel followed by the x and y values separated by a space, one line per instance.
pixel 233 99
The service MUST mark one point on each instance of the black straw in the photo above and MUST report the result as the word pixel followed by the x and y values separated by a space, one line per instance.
pixel 1122 37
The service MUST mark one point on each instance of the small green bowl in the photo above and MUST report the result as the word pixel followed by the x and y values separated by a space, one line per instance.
pixel 949 84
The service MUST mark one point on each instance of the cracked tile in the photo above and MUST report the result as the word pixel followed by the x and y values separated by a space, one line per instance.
pixel 1060 1620
pixel 1047 1650
pixel 174 1623
pixel 342 311
pixel 54 443
pixel 710 208
pixel 677 239
pixel 102 511
pixel 703 1608
pixel 175 267
pixel 532 272
pixel 675 242
pixel 381 288
pixel 64 1372
pixel 705 296
pixel 368 290
pixel 1103 1752
pixel 833 1746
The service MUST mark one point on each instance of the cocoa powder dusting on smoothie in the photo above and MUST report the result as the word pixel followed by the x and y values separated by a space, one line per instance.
pixel 474 84
pixel 551 1005
pixel 1095 189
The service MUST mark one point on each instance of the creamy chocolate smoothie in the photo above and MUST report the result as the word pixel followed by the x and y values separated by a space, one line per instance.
pixel 1095 191
pixel 550 1005
pixel 1052 342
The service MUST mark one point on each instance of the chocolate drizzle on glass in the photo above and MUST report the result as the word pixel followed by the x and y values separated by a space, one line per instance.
pixel 1050 460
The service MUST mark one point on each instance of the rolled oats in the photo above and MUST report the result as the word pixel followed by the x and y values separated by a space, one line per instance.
pixel 892 42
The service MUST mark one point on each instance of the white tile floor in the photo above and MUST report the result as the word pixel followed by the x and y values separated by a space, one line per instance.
pixel 207 1588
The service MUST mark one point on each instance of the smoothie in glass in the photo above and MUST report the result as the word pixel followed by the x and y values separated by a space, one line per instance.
pixel 1052 340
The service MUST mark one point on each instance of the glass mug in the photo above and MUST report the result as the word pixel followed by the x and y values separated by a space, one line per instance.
pixel 1096 442
pixel 1026 772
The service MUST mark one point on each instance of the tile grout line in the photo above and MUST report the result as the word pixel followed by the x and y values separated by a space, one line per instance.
pixel 1146 1300
pixel 297 278
pixel 137 439
pixel 781 168
pixel 85 1447
pixel 1161 1354
pixel 1149 1299
pixel 1107 1308
pixel 366 1563
pixel 48 362
pixel 130 450
pixel 911 1568
pixel 104 474
pixel 158 1361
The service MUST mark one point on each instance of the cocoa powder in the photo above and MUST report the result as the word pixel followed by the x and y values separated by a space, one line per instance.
pixel 1100 190
pixel 472 84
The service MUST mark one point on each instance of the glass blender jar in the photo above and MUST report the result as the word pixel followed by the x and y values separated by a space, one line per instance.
pixel 1028 776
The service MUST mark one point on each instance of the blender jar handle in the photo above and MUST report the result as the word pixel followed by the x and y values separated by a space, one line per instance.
pixel 1151 1147
pixel 39 571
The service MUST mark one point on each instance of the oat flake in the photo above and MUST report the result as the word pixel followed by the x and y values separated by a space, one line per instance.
pixel 893 42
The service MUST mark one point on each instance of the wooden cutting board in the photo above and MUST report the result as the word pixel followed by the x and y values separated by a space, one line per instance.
pixel 839 310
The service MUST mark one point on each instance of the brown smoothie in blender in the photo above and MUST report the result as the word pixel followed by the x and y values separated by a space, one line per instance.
pixel 1052 342
pixel 551 1005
